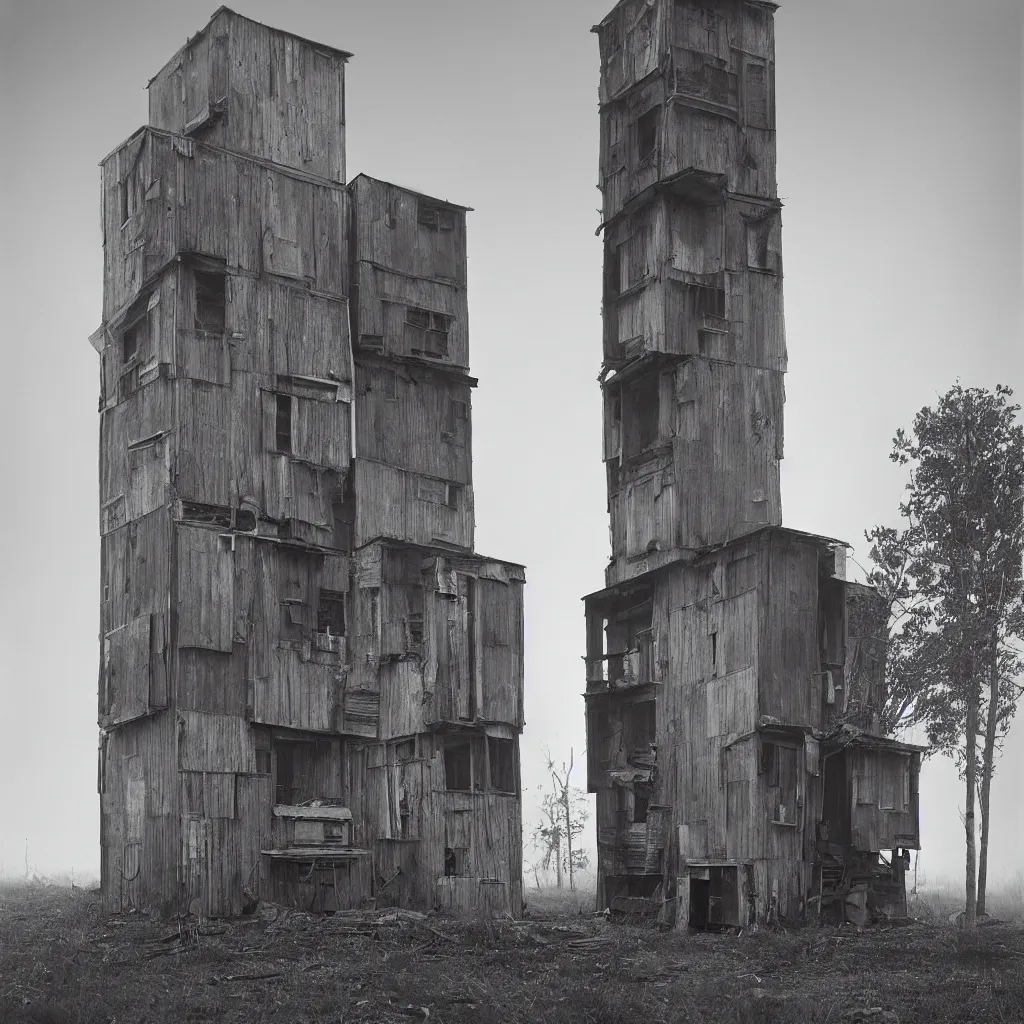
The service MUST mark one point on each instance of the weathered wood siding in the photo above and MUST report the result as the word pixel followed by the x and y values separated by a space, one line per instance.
pixel 411 507
pixel 708 75
pixel 215 88
pixel 383 317
pixel 884 804
pixel 413 419
pixel 406 232
pixel 280 222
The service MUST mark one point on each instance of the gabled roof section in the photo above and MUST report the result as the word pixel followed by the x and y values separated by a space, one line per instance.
pixel 333 50
pixel 412 192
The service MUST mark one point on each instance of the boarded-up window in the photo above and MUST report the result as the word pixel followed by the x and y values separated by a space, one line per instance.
pixel 756 100
pixel 501 757
pixel 759 254
pixel 778 763
pixel 205 589
pixel 440 492
pixel 426 332
pixel 647 135
pixel 635 257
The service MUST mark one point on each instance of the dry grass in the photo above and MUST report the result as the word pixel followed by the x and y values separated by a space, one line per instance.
pixel 62 961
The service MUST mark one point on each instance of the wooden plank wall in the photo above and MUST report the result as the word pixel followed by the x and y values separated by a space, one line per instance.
pixel 138 808
pixel 413 419
pixel 281 223
pixel 223 70
pixel 388 233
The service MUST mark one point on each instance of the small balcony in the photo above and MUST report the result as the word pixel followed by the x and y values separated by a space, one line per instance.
pixel 624 670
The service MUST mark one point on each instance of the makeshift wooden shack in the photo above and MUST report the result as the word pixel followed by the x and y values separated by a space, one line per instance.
pixel 298 641
pixel 734 675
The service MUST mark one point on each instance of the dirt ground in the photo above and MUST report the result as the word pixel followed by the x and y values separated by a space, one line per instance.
pixel 62 960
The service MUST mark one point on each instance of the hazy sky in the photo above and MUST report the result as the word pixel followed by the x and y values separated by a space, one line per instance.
pixel 899 128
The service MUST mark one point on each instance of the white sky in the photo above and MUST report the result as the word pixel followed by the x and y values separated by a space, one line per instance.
pixel 900 165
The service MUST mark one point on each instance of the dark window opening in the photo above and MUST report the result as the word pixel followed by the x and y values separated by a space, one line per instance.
pixel 458 767
pixel 613 476
pixel 330 613
pixel 283 424
pixel 501 755
pixel 612 271
pixel 287 779
pixel 343 516
pixel 639 726
pixel 124 192
pixel 647 134
pixel 456 861
pixel 134 338
pixel 245 520
pixel 405 751
pixel 758 236
pixel 452 495
pixel 414 617
pixel 640 805
pixel 211 515
pixel 709 302
pixel 434 216
pixel 714 654
pixel 263 763
pixel 427 331
pixel 211 301
pixel 641 414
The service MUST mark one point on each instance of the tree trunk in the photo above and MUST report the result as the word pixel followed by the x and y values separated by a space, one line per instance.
pixel 568 836
pixel 558 862
pixel 970 746
pixel 987 767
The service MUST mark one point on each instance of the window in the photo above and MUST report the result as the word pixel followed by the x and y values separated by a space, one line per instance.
pixel 435 216
pixel 641 414
pixel 455 421
pixel 330 613
pixel 414 617
pixel 612 271
pixel 458 767
pixel 640 805
pixel 283 424
pixel 211 300
pixel 646 135
pixel 405 751
pixel 136 336
pixel 639 725
pixel 426 332
pixel 714 654
pixel 211 515
pixel 709 301
pixel 501 757
pixel 439 492
pixel 456 861
pixel 264 765
pixel 759 255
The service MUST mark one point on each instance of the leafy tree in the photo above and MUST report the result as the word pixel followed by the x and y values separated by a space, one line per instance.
pixel 953 576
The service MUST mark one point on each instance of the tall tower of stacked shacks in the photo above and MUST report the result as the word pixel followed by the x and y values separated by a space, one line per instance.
pixel 734 676
pixel 311 687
